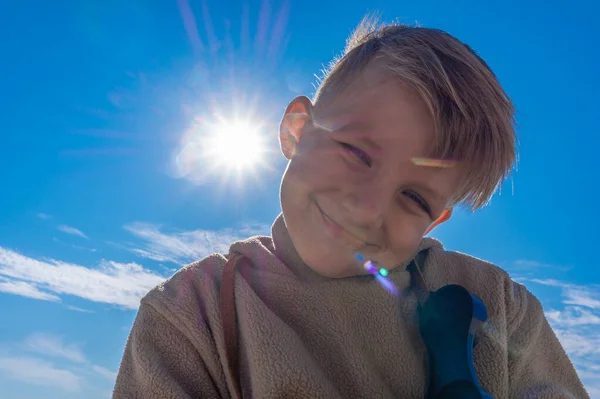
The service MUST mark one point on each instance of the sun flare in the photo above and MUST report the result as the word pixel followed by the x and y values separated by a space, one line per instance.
pixel 223 147
pixel 235 145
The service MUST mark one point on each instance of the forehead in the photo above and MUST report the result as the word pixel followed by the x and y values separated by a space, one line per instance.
pixel 380 105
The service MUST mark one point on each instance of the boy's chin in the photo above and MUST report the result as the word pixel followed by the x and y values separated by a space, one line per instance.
pixel 340 269
pixel 337 273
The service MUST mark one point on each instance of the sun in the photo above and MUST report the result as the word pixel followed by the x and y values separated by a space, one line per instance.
pixel 225 147
pixel 235 145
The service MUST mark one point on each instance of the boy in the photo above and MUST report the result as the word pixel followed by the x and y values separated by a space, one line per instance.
pixel 308 320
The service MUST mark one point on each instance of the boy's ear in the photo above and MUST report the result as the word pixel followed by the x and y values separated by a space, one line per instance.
pixel 443 218
pixel 297 114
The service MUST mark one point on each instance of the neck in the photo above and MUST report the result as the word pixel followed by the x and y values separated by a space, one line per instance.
pixel 287 254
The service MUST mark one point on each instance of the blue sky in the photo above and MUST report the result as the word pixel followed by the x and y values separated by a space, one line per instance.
pixel 100 200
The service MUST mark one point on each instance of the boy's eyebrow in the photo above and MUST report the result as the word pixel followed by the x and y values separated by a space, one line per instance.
pixel 432 192
pixel 361 127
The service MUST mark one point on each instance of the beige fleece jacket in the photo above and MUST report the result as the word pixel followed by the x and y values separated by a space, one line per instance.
pixel 305 336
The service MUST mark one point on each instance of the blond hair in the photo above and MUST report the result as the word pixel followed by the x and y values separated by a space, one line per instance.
pixel 474 117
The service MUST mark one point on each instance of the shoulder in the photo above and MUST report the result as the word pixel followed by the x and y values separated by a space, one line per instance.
pixel 199 274
pixel 453 267
pixel 492 284
pixel 205 274
pixel 193 291
pixel 175 344
pixel 190 298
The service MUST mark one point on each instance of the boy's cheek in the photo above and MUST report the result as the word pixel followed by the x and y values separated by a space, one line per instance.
pixel 316 173
pixel 404 239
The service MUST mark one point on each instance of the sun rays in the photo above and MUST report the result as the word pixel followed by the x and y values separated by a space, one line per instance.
pixel 223 147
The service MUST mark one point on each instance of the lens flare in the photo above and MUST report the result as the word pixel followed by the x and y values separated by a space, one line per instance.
pixel 379 273
pixel 434 163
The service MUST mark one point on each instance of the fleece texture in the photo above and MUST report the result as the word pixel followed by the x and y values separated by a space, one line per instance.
pixel 305 336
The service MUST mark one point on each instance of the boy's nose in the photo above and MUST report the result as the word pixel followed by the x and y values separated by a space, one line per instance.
pixel 366 207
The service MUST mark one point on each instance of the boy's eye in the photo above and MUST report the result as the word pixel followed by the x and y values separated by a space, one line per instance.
pixel 418 200
pixel 357 152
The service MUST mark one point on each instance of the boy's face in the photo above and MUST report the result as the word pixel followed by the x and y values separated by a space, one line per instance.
pixel 351 185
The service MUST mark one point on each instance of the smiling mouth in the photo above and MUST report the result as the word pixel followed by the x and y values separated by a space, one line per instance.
pixel 343 230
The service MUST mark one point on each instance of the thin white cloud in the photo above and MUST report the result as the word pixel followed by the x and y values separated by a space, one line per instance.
pixel 583 298
pixel 551 282
pixel 579 343
pixel 22 288
pixel 121 284
pixel 19 365
pixel 524 264
pixel 76 309
pixel 71 230
pixel 183 247
pixel 582 343
pixel 77 247
pixel 43 216
pixel 51 345
pixel 572 316
pixel 577 326
pixel 576 295
pixel 39 372
pixel 106 373
pixel 590 372
pixel 152 255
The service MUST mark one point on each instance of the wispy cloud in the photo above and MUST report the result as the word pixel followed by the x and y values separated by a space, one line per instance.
pixel 152 255
pixel 20 365
pixel 577 326
pixel 575 295
pixel 572 316
pixel 52 345
pixel 183 247
pixel 582 343
pixel 532 265
pixel 121 284
pixel 43 216
pixel 39 372
pixel 71 230
pixel 77 247
pixel 22 288
pixel 580 298
pixel 104 372
pixel 76 309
